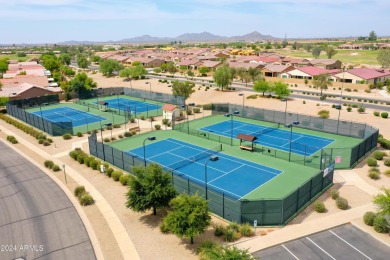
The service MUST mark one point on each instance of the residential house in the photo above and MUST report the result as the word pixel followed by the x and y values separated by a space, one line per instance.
pixel 295 62
pixel 146 62
pixel 328 64
pixel 212 65
pixel 245 65
pixel 27 68
pixel 307 72
pixel 190 64
pixel 25 90
pixel 20 79
pixel 271 70
pixel 363 75
pixel 351 46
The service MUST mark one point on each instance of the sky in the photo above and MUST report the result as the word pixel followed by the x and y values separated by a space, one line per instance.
pixel 52 21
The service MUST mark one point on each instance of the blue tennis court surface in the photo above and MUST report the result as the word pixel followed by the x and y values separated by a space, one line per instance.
pixel 133 105
pixel 233 176
pixel 272 137
pixel 68 114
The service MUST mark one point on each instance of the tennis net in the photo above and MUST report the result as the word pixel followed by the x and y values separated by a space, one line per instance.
pixel 197 157
pixel 266 130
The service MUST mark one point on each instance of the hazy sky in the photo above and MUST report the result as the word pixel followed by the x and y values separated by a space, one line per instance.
pixel 49 21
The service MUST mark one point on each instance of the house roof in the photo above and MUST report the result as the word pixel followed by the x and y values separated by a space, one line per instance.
pixel 169 107
pixel 211 64
pixel 315 71
pixel 367 73
pixel 17 90
pixel 20 79
pixel 244 65
pixel 323 61
pixel 189 62
pixel 277 68
pixel 249 138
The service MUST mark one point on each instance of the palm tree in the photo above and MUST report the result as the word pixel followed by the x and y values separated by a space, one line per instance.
pixel 322 82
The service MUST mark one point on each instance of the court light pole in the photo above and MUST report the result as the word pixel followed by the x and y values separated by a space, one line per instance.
pixel 101 135
pixel 243 103
pixel 285 110
pixel 150 88
pixel 291 127
pixel 212 158
pixel 231 115
pixel 339 105
pixel 150 138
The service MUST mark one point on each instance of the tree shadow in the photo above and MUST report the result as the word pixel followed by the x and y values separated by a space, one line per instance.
pixel 153 221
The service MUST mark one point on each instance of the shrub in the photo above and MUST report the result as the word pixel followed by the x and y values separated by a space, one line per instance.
pixel 374 173
pixel 46 143
pixel 79 190
pixel 87 160
pixel 230 235
pixel 157 127
pixel 86 199
pixel 342 203
pixel 304 102
pixel 219 230
pixel 116 126
pixel 368 218
pixel 113 138
pixel 371 162
pixel 40 141
pixel 128 134
pixel 207 106
pixel 387 173
pixel 120 136
pixel 384 115
pixel 106 139
pixel 132 119
pixel 165 121
pixel 323 114
pixel 164 229
pixel 109 127
pixel 109 171
pixel 381 224
pixel 196 110
pixel 79 134
pixel 80 158
pixel 376 113
pixel 123 179
pixel 335 194
pixel 234 226
pixel 48 164
pixel 94 164
pixel 73 154
pixel 319 206
pixel 387 162
pixel 361 109
pixel 67 136
pixel 12 139
pixel 56 168
pixel 379 155
pixel 349 109
pixel 207 247
pixel 116 175
pixel 247 230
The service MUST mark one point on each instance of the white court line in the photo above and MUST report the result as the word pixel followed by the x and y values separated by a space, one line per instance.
pixel 320 248
pixel 350 245
pixel 169 151
pixel 290 252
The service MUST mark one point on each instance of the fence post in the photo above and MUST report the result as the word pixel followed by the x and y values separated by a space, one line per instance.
pixel 223 205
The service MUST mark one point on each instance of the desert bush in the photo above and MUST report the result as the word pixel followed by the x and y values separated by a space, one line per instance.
pixel 349 109
pixel 342 203
pixel 117 126
pixel 46 143
pixel 87 159
pixel 142 117
pixel 123 179
pixel 157 127
pixel 41 141
pixel 196 110
pixel 128 134
pixel 361 109
pixel 48 164
pixel 369 218
pixel 234 226
pixel 79 190
pixel 79 134
pixel 319 206
pixel 73 154
pixel 387 173
pixel 371 162
pixel 80 158
pixel 379 155
pixel 106 139
pixel 93 164
pixel 387 162
pixel 67 136
pixel 207 247
pixel 219 230
pixel 132 119
pixel 230 235
pixel 116 175
pixel 374 173
pixel 12 139
pixel 120 136
pixel 384 115
pixel 165 121
pixel 323 114
pixel 376 113
pixel 109 171
pixel 247 230
pixel 380 224
pixel 335 194
pixel 86 199
pixel 207 106
pixel 56 168
pixel 164 229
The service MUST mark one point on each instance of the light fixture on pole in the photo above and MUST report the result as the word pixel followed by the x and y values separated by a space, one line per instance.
pixel 212 158
pixel 339 105
pixel 243 103
pixel 291 127
pixel 63 166
pixel 231 115
pixel 101 135
pixel 150 138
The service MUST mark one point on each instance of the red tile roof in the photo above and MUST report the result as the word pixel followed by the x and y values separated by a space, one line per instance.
pixel 367 73
pixel 169 107
pixel 315 71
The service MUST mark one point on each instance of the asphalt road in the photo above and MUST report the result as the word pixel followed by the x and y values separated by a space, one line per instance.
pixel 37 220
pixel 344 242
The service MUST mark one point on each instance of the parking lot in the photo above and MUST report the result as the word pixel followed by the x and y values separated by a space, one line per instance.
pixel 344 242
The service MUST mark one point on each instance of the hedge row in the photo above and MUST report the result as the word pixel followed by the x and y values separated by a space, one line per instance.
pixel 50 164
pixel 84 197
pixel 39 135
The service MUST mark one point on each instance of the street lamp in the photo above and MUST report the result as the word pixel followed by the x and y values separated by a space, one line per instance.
pixel 150 138
pixel 291 127
pixel 212 158
pixel 101 135
pixel 285 110
pixel 339 105
pixel 243 102
pixel 63 166
pixel 150 88
pixel 231 115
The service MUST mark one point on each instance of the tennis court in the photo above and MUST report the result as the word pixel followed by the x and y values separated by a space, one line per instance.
pixel 272 136
pixel 233 176
pixel 133 106
pixel 68 114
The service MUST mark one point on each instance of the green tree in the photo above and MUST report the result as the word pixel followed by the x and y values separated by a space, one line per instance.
pixel 246 78
pixel 65 59
pixel 183 88
pixel 164 67
pixel 82 62
pixel 372 36
pixel 204 70
pixel 149 188
pixel 3 65
pixel 223 77
pixel 254 74
pixel 384 57
pixel 316 51
pixel 96 59
pixel 50 61
pixel 322 82
pixel 308 47
pixel 108 67
pixel 171 68
pixel 81 82
pixel 3 101
pixel 157 70
pixel 261 86
pixel 284 43
pixel 330 52
pixel 382 201
pixel 240 73
pixel 1 85
pixel 189 216
pixel 190 73
pixel 281 89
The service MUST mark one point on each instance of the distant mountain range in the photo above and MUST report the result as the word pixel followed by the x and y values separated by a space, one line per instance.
pixel 185 38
